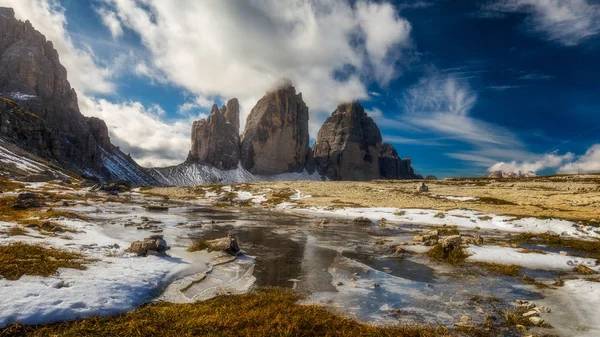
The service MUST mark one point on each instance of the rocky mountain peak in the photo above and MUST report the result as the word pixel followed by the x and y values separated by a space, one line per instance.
pixel 391 166
pixel 40 112
pixel 348 144
pixel 276 139
pixel 215 140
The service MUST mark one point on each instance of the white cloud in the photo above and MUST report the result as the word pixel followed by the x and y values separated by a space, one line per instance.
pixel 142 132
pixel 109 19
pixel 587 163
pixel 199 102
pixel 243 48
pixel 216 50
pixel 547 161
pixel 48 17
pixel 569 22
pixel 442 103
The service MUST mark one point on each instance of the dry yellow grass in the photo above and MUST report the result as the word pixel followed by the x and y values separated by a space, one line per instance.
pixel 575 197
pixel 8 185
pixel 19 258
pixel 501 269
pixel 266 312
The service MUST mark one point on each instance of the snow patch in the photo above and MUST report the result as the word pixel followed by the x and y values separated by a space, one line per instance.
pixel 461 218
pixel 512 256
pixel 19 96
pixel 197 174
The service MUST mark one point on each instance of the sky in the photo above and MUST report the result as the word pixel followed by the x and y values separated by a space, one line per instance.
pixel 460 87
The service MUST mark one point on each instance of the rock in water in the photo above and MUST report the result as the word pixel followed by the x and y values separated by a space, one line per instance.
pixel 227 244
pixel 348 145
pixel 276 136
pixel 152 245
pixel 391 166
pixel 215 141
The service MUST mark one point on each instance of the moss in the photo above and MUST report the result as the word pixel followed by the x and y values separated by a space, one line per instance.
pixel 265 312
pixel 19 258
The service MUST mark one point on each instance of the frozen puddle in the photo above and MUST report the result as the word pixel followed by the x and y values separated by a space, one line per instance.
pixel 340 268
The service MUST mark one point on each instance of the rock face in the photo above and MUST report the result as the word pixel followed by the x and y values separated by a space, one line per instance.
pixel 276 136
pixel 392 167
pixel 348 145
pixel 39 110
pixel 216 140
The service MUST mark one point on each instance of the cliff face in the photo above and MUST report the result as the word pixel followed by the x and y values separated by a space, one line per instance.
pixel 40 111
pixel 216 140
pixel 348 144
pixel 392 167
pixel 276 136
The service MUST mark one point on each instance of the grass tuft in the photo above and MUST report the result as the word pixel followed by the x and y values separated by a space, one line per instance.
pixel 19 258
pixel 54 214
pixel 199 245
pixel 501 269
pixel 452 256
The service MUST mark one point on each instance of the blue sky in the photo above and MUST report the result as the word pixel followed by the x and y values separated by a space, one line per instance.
pixel 458 86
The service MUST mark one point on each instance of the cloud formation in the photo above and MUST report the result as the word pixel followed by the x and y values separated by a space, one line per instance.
pixel 547 161
pixel 587 163
pixel 442 103
pixel 142 132
pixel 569 22
pixel 330 49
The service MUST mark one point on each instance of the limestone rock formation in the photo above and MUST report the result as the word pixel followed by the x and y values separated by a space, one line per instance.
pixel 39 111
pixel 518 174
pixel 348 145
pixel 392 167
pixel 216 140
pixel 276 136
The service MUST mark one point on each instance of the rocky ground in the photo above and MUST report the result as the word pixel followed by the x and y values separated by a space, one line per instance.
pixel 453 257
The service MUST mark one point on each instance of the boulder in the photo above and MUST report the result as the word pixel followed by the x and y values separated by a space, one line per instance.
pixel 276 139
pixel 227 244
pixel 348 145
pixel 152 245
pixel 216 140
pixel 422 188
pixel 26 201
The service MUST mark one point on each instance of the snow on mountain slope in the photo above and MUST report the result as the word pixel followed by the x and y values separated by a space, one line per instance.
pixel 16 161
pixel 123 168
pixel 197 174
